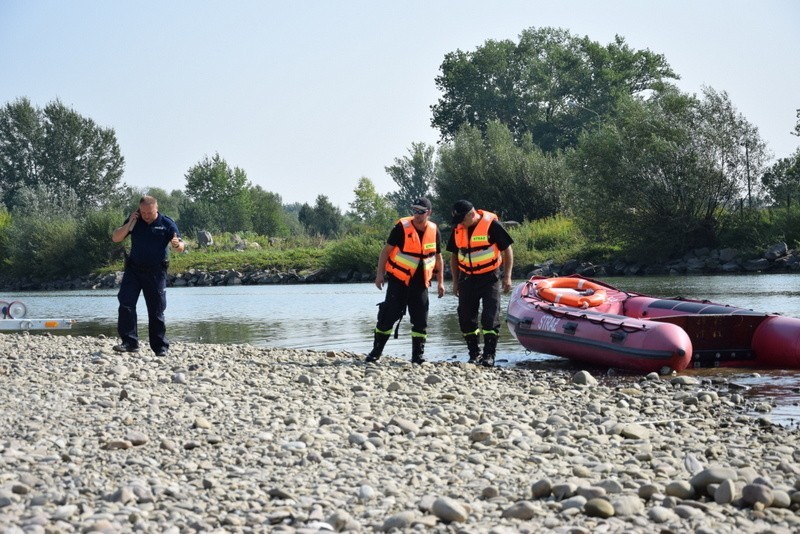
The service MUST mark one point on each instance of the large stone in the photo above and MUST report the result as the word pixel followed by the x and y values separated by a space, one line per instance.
pixel 712 475
pixel 635 431
pixel 760 264
pixel 757 493
pixel 584 378
pixel 522 510
pixel 727 255
pixel 541 488
pixel 398 521
pixel 404 424
pixel 204 239
pixel 725 492
pixel 449 510
pixel 627 505
pixel 598 507
pixel 481 432
pixel 776 251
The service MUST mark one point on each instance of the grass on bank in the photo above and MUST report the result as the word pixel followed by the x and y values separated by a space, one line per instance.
pixel 557 239
pixel 554 238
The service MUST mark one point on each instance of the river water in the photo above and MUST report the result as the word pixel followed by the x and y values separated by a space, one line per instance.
pixel 342 317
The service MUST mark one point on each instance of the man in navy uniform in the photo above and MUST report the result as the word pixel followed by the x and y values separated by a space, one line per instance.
pixel 146 272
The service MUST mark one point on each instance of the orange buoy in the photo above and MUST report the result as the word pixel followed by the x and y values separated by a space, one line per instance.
pixel 586 294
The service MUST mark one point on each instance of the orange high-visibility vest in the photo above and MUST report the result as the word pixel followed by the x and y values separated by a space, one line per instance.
pixel 477 256
pixel 403 263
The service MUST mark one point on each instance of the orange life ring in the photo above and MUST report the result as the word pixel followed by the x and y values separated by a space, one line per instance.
pixel 587 294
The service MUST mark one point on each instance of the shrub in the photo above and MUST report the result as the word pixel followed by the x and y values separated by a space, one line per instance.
pixel 358 253
pixel 94 240
pixel 45 248
pixel 5 236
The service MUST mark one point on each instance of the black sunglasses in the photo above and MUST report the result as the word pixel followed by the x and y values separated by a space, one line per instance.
pixel 416 211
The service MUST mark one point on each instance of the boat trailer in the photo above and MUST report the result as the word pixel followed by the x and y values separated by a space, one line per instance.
pixel 13 316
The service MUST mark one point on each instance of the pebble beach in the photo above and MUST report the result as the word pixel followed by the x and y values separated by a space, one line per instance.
pixel 237 438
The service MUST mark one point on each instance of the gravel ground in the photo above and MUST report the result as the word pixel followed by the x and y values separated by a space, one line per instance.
pixel 235 438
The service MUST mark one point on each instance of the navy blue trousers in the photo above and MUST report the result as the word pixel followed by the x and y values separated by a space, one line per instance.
pixel 152 283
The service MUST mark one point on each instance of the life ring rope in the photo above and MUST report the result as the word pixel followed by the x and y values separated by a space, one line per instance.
pixel 586 294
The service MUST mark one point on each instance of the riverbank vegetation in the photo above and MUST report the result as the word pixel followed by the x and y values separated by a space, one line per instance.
pixel 587 151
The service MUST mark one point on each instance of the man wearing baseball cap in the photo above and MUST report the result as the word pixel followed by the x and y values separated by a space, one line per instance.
pixel 479 246
pixel 407 263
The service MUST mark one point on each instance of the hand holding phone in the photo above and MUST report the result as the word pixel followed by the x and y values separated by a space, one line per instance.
pixel 132 219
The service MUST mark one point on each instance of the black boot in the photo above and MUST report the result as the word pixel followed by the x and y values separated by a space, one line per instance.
pixel 489 349
pixel 377 347
pixel 417 349
pixel 472 347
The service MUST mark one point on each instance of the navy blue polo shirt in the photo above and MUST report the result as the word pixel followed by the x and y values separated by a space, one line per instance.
pixel 149 242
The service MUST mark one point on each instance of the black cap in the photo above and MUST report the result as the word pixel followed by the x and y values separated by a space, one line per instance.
pixel 460 209
pixel 422 203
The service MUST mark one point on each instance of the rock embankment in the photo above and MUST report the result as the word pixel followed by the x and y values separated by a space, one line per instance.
pixel 778 258
pixel 244 439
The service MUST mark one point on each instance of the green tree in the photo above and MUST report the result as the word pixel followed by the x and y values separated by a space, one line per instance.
pixel 782 180
pixel 269 217
pixel 323 218
pixel 516 181
pixel 370 209
pixel 45 199
pixel 413 174
pixel 198 216
pixel 21 142
pixel 550 84
pixel 55 148
pixel 292 214
pixel 222 194
pixel 213 180
pixel 665 175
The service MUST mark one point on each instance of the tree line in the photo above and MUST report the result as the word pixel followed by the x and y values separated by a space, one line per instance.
pixel 549 125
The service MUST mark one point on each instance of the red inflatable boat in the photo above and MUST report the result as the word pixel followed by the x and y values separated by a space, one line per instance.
pixel 592 322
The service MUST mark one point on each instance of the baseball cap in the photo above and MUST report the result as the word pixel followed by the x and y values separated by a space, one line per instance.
pixel 460 209
pixel 421 203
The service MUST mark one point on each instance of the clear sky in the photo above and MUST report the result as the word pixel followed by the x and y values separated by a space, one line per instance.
pixel 309 96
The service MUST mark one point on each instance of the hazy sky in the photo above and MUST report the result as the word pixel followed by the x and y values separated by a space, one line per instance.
pixel 308 96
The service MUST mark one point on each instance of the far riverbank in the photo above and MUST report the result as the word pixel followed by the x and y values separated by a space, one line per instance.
pixel 777 259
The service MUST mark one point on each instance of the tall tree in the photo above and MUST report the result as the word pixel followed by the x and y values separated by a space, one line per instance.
pixel 550 84
pixel 370 209
pixel 221 195
pixel 57 149
pixel 782 181
pixel 413 174
pixel 662 178
pixel 323 218
pixel 213 180
pixel 516 181
pixel 21 143
pixel 269 217
pixel 797 125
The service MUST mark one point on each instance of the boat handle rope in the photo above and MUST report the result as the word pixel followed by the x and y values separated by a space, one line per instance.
pixel 602 322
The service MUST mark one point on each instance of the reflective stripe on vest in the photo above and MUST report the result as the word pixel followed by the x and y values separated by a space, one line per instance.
pixel 403 263
pixel 477 256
